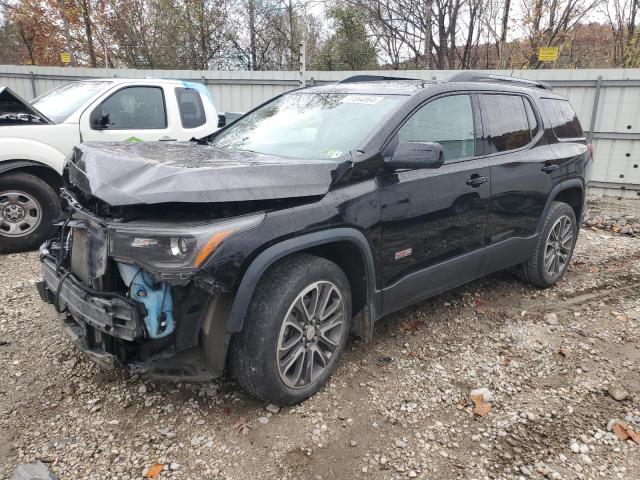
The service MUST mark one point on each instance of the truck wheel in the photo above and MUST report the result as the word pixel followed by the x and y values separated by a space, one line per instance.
pixel 295 330
pixel 554 249
pixel 28 206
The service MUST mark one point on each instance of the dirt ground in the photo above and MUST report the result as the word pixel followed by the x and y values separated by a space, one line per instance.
pixel 551 362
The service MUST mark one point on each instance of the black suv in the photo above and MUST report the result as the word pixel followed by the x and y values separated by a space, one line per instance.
pixel 261 247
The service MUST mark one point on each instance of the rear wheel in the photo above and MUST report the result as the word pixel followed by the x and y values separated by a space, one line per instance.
pixel 295 331
pixel 554 249
pixel 28 207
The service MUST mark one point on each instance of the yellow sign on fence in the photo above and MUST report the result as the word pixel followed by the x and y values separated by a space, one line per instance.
pixel 548 54
pixel 65 57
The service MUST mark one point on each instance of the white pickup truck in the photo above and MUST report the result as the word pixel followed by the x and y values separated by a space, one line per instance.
pixel 37 137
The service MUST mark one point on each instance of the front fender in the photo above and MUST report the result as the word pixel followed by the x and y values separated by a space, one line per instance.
pixel 265 259
pixel 33 152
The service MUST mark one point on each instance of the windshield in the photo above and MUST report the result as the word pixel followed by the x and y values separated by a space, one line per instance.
pixel 58 104
pixel 308 125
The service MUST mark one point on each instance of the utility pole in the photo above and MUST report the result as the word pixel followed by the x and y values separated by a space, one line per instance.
pixel 67 35
pixel 302 64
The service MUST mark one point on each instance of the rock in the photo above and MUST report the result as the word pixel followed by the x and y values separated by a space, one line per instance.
pixel 575 448
pixel 353 443
pixel 525 471
pixel 551 319
pixel 618 393
pixel 263 420
pixel 174 466
pixel 196 441
pixel 33 471
pixel 586 459
pixel 142 389
pixel 401 444
pixel 273 408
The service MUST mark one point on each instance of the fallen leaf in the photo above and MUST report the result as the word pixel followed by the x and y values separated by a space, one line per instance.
pixel 227 410
pixel 623 318
pixel 481 407
pixel 507 360
pixel 564 351
pixel 242 427
pixel 411 325
pixel 154 471
pixel 623 432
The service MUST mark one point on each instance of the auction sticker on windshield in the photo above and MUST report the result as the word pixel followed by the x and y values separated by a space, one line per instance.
pixel 366 99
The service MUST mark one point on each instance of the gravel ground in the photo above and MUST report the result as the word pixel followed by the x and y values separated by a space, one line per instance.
pixel 550 363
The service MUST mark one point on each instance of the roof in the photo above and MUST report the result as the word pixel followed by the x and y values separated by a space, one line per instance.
pixel 389 87
pixel 137 80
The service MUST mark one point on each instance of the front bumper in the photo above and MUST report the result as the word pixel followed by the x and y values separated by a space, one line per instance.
pixel 107 313
pixel 93 320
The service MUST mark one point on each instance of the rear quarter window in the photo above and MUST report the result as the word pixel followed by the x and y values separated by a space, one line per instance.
pixel 564 121
pixel 191 109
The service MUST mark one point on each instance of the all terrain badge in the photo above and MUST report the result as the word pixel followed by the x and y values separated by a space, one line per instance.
pixel 403 253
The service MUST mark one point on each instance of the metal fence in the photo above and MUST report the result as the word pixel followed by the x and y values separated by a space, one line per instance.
pixel 606 101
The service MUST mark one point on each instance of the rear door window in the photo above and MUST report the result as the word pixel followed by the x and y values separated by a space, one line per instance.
pixel 564 121
pixel 447 121
pixel 131 108
pixel 505 122
pixel 191 109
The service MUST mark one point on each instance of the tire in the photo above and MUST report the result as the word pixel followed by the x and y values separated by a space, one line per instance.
pixel 256 362
pixel 28 207
pixel 560 219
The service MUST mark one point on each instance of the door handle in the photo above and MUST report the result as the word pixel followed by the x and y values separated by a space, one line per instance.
pixel 550 168
pixel 476 181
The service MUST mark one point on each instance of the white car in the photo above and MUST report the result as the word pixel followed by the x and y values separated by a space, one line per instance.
pixel 37 137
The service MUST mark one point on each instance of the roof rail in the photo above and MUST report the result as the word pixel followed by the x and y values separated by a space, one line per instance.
pixel 372 78
pixel 492 78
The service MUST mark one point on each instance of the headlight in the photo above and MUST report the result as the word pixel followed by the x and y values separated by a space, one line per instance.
pixel 173 246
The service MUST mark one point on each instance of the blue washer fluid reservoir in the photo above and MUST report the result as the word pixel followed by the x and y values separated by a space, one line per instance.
pixel 158 301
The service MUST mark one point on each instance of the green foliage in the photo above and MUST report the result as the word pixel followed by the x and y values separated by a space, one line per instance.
pixel 349 48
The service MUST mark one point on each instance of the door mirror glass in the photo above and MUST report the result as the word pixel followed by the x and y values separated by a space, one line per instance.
pixel 415 155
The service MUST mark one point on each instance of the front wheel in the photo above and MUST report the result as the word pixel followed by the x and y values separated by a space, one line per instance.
pixel 28 207
pixel 295 331
pixel 554 248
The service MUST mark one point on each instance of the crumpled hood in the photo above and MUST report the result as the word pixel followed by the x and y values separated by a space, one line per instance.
pixel 159 172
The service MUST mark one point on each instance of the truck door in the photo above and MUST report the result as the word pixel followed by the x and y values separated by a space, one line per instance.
pixel 523 168
pixel 433 220
pixel 131 113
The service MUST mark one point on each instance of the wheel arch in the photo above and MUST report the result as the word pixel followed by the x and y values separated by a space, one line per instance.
pixel 339 245
pixel 571 192
pixel 37 169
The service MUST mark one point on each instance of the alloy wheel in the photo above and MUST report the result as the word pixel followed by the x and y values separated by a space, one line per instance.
pixel 558 247
pixel 310 334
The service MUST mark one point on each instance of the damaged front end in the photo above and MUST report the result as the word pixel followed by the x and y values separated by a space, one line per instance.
pixel 126 289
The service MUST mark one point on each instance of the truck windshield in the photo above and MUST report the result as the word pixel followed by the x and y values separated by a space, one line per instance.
pixel 308 125
pixel 58 104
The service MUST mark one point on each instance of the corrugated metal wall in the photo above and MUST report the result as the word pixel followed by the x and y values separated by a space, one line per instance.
pixel 616 123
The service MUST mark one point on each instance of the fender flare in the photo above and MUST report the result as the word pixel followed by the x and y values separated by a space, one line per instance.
pixel 564 185
pixel 266 258
pixel 15 164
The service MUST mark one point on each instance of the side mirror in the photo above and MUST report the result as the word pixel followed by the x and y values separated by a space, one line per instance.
pixel 416 155
pixel 100 122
